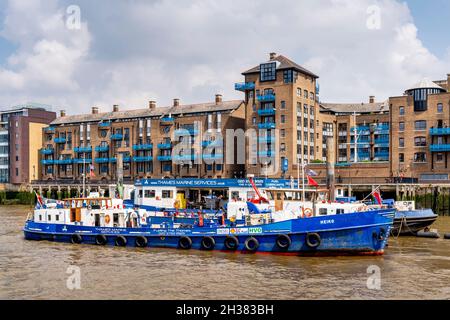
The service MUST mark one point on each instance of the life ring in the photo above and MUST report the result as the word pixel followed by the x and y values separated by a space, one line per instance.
pixel 107 219
pixel 307 213
pixel 121 241
pixel 251 244
pixel 208 243
pixel 101 240
pixel 231 243
pixel 283 241
pixel 76 239
pixel 313 240
pixel 185 243
pixel 141 242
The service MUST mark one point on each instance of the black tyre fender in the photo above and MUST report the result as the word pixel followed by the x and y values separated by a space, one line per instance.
pixel 121 241
pixel 251 244
pixel 313 240
pixel 283 241
pixel 231 243
pixel 76 239
pixel 101 240
pixel 208 243
pixel 185 243
pixel 141 242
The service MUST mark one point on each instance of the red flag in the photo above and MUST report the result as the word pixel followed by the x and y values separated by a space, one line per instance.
pixel 377 197
pixel 312 182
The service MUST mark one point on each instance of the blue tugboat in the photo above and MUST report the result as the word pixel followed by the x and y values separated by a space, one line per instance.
pixel 101 221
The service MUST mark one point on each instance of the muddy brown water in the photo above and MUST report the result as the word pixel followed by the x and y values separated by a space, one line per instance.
pixel 412 268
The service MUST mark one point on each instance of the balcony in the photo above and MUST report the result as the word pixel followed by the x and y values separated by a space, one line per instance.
pixel 267 125
pixel 164 146
pixel 47 162
pixel 117 136
pixel 63 161
pixel 244 86
pixel 82 149
pixel 142 159
pixel 60 140
pixel 49 130
pixel 439 131
pixel 186 132
pixel 363 130
pixel 140 147
pixel 101 160
pixel 47 151
pixel 167 120
pixel 165 158
pixel 217 156
pixel 440 148
pixel 102 148
pixel 266 112
pixel 266 98
pixel 82 160
pixel 125 160
pixel 187 157
pixel 104 124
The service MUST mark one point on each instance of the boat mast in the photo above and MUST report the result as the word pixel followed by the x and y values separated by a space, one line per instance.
pixel 84 174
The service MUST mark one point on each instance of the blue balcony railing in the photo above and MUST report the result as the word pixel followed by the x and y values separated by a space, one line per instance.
pixel 363 130
pixel 47 162
pixel 186 132
pixel 82 149
pixel 49 130
pixel 266 112
pixel 101 160
pixel 81 160
pixel 124 159
pixel 167 119
pixel 165 158
pixel 139 147
pixel 104 124
pixel 244 86
pixel 440 147
pixel 163 146
pixel 47 151
pixel 60 140
pixel 117 136
pixel 439 131
pixel 267 125
pixel 143 159
pixel 266 98
pixel 217 156
pixel 64 161
pixel 102 148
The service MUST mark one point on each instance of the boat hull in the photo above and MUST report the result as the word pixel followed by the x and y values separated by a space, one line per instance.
pixel 410 222
pixel 349 234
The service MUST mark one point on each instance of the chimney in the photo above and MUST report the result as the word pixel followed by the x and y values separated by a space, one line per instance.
pixel 152 105
pixel 176 102
pixel 63 113
pixel 94 110
pixel 218 99
pixel 272 55
pixel 116 108
pixel 372 99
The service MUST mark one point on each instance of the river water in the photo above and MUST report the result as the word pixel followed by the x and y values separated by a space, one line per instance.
pixel 412 268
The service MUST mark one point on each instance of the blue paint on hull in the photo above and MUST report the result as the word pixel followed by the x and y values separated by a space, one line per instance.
pixel 359 233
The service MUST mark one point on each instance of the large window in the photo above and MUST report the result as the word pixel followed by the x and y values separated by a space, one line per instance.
pixel 420 125
pixel 420 157
pixel 401 111
pixel 401 157
pixel 420 141
pixel 268 71
pixel 401 126
pixel 401 142
pixel 440 108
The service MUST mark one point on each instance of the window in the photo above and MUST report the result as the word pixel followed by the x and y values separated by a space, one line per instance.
pixel 299 92
pixel 283 118
pixel 254 120
pixel 288 76
pixel 283 104
pixel 420 157
pixel 218 167
pixel 440 157
pixel 17 158
pixel 57 217
pixel 440 108
pixel 401 142
pixel 401 111
pixel 340 211
pixel 283 147
pixel 167 194
pixel 401 126
pixel 149 193
pixel 17 172
pixel 323 211
pixel 305 93
pixel 254 108
pixel 420 125
pixel 420 141
pixel 401 157
pixel 283 133
pixel 268 71
pixel 311 95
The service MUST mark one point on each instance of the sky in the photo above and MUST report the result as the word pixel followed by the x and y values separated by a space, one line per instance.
pixel 75 54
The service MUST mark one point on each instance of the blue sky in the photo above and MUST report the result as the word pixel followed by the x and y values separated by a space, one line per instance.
pixel 128 52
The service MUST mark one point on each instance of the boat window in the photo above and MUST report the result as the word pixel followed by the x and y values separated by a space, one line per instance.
pixel 116 219
pixel 140 194
pixel 40 217
pixel 167 194
pixel 235 195
pixel 149 193
pixel 57 217
pixel 323 211
pixel 339 211
pixel 278 195
pixel 49 218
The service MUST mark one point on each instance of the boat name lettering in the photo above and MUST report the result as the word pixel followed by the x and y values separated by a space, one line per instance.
pixel 255 230
pixel 223 231
pixel 330 221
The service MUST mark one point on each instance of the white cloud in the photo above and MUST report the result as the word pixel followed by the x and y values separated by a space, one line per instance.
pixel 131 52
